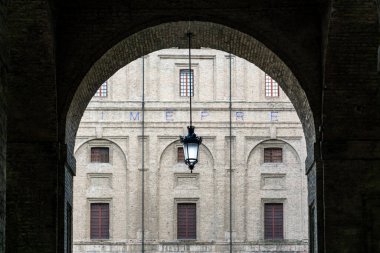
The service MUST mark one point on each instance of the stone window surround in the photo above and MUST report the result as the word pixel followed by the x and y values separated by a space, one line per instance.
pixel 282 201
pixel 100 154
pixel 103 144
pixel 272 144
pixel 185 200
pixel 273 155
pixel 88 218
pixel 195 68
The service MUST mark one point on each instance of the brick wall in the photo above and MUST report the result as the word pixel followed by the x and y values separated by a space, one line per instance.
pixel 32 144
pixel 3 121
pixel 350 144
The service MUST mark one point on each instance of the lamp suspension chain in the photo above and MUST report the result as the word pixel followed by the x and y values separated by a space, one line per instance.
pixel 143 159
pixel 189 34
pixel 230 108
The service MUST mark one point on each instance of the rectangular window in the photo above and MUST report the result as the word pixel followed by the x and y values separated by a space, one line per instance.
pixel 184 82
pixel 271 87
pixel 100 155
pixel 102 91
pixel 273 221
pixel 186 221
pixel 272 155
pixel 180 155
pixel 100 221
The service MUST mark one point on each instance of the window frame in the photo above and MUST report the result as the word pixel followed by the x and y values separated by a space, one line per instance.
pixel 99 147
pixel 110 224
pixel 270 87
pixel 180 158
pixel 102 92
pixel 187 90
pixel 282 201
pixel 175 218
pixel 271 156
pixel 108 237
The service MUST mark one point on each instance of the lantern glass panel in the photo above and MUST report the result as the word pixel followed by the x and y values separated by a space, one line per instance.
pixel 193 151
pixel 185 153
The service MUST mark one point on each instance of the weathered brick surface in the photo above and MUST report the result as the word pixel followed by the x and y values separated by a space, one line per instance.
pixel 3 120
pixel 31 197
pixel 32 144
pixel 351 125
pixel 3 132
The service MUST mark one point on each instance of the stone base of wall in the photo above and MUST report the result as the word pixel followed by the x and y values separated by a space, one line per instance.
pixel 190 247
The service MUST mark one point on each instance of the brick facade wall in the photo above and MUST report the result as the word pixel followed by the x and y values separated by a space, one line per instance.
pixel 3 120
pixel 33 180
pixel 114 121
pixel 350 144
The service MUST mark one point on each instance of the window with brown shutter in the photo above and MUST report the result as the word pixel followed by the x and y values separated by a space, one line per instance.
pixel 272 155
pixel 99 221
pixel 186 221
pixel 273 221
pixel 180 155
pixel 100 155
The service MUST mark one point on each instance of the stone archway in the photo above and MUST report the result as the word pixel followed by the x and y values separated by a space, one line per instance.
pixel 205 35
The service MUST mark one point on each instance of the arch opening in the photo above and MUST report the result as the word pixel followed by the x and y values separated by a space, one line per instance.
pixel 250 49
pixel 208 35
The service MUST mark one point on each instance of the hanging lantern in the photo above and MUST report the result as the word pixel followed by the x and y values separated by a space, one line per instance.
pixel 191 144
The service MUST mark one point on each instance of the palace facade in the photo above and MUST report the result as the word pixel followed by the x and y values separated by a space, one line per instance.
pixel 183 211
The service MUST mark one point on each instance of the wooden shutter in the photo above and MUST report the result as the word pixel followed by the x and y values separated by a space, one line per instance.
pixel 273 221
pixel 100 155
pixel 180 155
pixel 186 221
pixel 272 155
pixel 99 221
